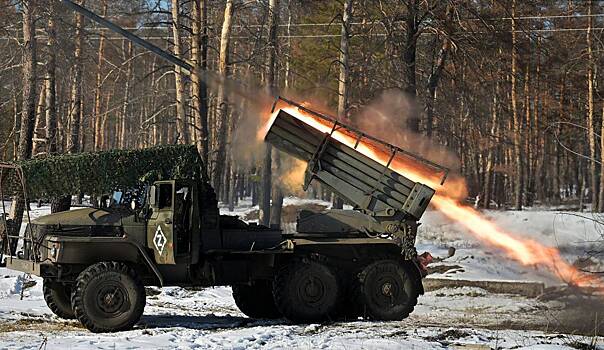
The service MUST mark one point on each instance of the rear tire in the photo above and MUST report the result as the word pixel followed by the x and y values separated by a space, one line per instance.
pixel 388 290
pixel 256 301
pixel 58 299
pixel 307 292
pixel 108 297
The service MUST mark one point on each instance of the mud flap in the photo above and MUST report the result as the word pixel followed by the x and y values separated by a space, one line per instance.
pixel 416 274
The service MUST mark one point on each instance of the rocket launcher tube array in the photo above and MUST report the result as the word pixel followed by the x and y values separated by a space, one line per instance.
pixel 369 185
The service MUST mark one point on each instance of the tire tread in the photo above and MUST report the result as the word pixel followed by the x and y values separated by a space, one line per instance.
pixel 49 288
pixel 89 273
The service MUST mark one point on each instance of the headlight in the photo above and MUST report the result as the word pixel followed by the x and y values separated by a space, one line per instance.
pixel 54 251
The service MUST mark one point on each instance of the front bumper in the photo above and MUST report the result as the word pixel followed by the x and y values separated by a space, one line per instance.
pixel 23 265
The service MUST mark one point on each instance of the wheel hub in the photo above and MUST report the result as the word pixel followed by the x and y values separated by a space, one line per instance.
pixel 111 299
pixel 387 289
pixel 312 290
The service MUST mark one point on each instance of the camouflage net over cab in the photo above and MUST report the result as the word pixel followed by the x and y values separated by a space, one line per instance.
pixel 103 172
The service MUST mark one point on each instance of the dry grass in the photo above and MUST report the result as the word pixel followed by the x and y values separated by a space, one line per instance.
pixel 39 324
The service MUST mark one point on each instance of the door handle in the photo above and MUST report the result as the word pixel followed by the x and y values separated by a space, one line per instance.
pixel 168 221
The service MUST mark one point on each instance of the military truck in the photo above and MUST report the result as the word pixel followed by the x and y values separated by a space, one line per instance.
pixel 339 264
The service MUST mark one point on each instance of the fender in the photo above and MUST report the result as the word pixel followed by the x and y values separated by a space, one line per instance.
pixel 150 263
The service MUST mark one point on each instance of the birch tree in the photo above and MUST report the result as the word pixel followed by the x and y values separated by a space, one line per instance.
pixel 51 82
pixel 75 108
pixel 181 122
pixel 199 56
pixel 99 132
pixel 222 122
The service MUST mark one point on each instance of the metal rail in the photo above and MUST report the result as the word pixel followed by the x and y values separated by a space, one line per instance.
pixel 361 135
pixel 130 36
pixel 19 173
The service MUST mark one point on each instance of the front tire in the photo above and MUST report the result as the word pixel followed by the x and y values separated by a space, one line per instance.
pixel 307 292
pixel 108 297
pixel 388 290
pixel 256 301
pixel 58 299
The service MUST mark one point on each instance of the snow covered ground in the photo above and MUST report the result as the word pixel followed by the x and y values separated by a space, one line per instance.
pixel 462 318
pixel 572 233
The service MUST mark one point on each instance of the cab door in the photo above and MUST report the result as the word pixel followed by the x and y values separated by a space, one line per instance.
pixel 160 227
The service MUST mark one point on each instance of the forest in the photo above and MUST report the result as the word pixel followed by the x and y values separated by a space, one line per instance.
pixel 504 92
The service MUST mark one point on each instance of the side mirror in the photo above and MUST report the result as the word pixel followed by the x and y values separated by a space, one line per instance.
pixel 153 196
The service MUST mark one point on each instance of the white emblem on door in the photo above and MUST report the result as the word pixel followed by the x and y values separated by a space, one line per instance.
pixel 159 240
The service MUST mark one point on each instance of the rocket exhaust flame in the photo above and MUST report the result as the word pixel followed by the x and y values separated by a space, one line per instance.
pixel 448 201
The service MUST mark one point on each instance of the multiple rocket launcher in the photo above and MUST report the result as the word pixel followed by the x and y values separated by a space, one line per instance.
pixel 370 186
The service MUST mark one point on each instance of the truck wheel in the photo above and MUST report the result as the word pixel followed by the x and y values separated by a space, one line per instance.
pixel 108 297
pixel 388 291
pixel 306 292
pixel 58 298
pixel 256 301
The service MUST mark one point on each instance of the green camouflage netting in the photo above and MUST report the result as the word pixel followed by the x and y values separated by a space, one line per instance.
pixel 103 172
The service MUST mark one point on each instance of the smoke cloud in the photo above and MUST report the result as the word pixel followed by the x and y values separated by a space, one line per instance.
pixel 386 118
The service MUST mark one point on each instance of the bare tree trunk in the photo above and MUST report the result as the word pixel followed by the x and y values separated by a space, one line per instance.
pixel 287 73
pixel 126 111
pixel 488 178
pixel 99 132
pixel 344 81
pixel 591 123
pixel 436 73
pixel 16 123
pixel 556 183
pixel 181 122
pixel 601 201
pixel 39 128
pixel 73 142
pixel 199 53
pixel 222 119
pixel 265 216
pixel 277 192
pixel 582 184
pixel 409 57
pixel 75 109
pixel 28 112
pixel 105 118
pixel 51 83
pixel 528 179
pixel 540 117
pixel 518 186
pixel 153 138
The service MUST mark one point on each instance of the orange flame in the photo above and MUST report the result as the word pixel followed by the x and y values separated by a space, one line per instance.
pixel 293 178
pixel 447 200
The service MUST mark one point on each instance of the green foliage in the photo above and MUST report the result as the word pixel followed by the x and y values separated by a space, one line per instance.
pixel 103 172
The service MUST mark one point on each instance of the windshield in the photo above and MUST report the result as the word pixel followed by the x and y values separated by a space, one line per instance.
pixel 123 199
pixel 116 199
